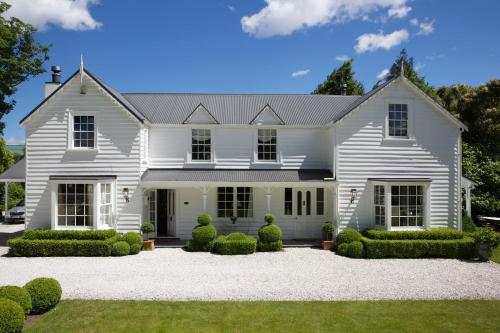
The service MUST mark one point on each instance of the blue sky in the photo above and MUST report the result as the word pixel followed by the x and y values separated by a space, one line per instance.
pixel 253 46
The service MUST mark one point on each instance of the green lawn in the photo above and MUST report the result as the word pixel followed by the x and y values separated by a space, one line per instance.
pixel 206 317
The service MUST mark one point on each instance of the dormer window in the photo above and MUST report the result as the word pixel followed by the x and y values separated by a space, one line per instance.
pixel 398 120
pixel 266 145
pixel 83 132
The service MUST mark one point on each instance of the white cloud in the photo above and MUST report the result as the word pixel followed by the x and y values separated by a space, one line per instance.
pixel 14 141
pixel 231 8
pixel 302 72
pixel 426 28
pixel 342 58
pixel 68 14
pixel 283 17
pixel 414 21
pixel 383 74
pixel 399 12
pixel 373 42
pixel 418 66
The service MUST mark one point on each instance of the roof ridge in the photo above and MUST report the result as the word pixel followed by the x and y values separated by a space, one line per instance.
pixel 232 94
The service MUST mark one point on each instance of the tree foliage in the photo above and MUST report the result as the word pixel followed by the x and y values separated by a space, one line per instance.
pixel 342 75
pixel 16 190
pixel 21 57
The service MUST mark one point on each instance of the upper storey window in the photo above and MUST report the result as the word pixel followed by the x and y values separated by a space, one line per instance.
pixel 201 145
pixel 83 132
pixel 398 120
pixel 266 145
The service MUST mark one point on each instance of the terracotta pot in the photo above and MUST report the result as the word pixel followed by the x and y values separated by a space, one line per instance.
pixel 327 245
pixel 148 245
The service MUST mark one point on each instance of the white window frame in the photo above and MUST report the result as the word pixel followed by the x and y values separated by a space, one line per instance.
pixel 410 120
pixel 235 203
pixel 388 204
pixel 71 119
pixel 314 201
pixel 256 147
pixel 190 157
pixel 96 207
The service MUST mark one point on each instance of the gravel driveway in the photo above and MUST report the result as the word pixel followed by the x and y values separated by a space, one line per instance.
pixel 294 274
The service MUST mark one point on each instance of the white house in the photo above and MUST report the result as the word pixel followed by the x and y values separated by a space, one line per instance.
pixel 97 158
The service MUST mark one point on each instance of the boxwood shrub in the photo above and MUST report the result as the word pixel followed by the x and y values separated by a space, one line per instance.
pixel 270 246
pixel 45 294
pixel 120 249
pixel 419 248
pixel 11 316
pixel 20 247
pixel 431 234
pixel 135 248
pixel 355 249
pixel 69 234
pixel 235 243
pixel 132 238
pixel 348 235
pixel 270 233
pixel 342 249
pixel 203 234
pixel 204 219
pixel 18 295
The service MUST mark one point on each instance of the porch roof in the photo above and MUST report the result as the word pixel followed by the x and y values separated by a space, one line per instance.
pixel 232 175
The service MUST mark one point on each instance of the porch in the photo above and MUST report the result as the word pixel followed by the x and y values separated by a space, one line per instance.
pixel 237 200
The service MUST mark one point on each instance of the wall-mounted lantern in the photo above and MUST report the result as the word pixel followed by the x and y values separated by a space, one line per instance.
pixel 125 194
pixel 353 194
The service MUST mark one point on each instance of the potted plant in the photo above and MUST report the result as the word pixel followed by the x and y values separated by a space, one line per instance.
pixel 328 229
pixel 486 242
pixel 148 245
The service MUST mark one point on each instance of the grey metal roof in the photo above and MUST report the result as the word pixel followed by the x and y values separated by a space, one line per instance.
pixel 17 172
pixel 231 175
pixel 81 177
pixel 162 108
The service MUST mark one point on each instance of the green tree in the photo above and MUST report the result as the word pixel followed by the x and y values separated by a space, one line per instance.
pixel 16 190
pixel 342 75
pixel 21 57
pixel 410 73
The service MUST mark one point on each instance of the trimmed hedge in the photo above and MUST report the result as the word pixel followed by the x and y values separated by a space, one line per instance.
pixel 348 235
pixel 45 294
pixel 235 243
pixel 419 248
pixel 270 246
pixel 270 233
pixel 431 234
pixel 355 249
pixel 342 249
pixel 132 238
pixel 69 234
pixel 135 248
pixel 194 246
pixel 20 247
pixel 120 248
pixel 204 233
pixel 11 316
pixel 18 295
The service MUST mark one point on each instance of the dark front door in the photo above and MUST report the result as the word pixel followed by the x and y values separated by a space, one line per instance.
pixel 166 213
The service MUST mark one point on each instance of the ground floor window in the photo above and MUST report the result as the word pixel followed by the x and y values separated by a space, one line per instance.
pixel 106 204
pixel 379 202
pixel 234 201
pixel 75 205
pixel 407 205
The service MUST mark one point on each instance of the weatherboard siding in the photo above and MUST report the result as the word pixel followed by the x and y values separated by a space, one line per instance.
pixel 364 152
pixel 119 152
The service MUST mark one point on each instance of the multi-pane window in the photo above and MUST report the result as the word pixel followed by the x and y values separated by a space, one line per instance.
pixel 407 205
pixel 152 207
pixel 234 201
pixel 320 201
pixel 201 145
pixel 299 203
pixel 266 145
pixel 83 132
pixel 379 202
pixel 106 204
pixel 288 209
pixel 398 120
pixel 75 204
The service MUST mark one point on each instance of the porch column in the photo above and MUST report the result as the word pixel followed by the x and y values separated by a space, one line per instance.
pixel 204 193
pixel 467 201
pixel 268 197
pixel 6 197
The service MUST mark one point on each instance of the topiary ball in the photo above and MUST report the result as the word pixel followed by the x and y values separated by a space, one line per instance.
pixel 45 294
pixel 204 233
pixel 135 248
pixel 355 249
pixel 269 218
pixel 235 236
pixel 132 238
pixel 120 249
pixel 19 295
pixel 204 219
pixel 342 249
pixel 270 233
pixel 348 235
pixel 11 316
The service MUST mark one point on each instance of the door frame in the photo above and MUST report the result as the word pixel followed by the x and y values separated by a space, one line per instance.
pixel 313 218
pixel 174 217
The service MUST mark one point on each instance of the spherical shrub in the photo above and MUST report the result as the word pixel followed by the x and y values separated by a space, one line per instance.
pixel 204 233
pixel 18 295
pixel 132 238
pixel 11 316
pixel 236 236
pixel 147 228
pixel 342 249
pixel 270 233
pixel 355 249
pixel 120 249
pixel 204 219
pixel 135 248
pixel 45 294
pixel 269 218
pixel 348 235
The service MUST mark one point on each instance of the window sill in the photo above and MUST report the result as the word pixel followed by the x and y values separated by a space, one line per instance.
pixel 83 150
pixel 267 162
pixel 407 228
pixel 201 162
pixel 397 139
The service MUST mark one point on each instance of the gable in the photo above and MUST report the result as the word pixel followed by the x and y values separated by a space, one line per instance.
pixel 267 116
pixel 200 115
